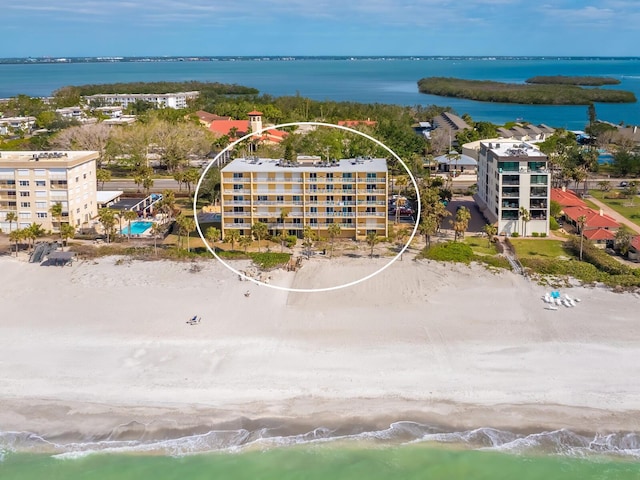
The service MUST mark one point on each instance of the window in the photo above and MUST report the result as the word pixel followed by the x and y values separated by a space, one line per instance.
pixel 297 198
pixel 25 204
pixel 24 214
pixel 329 198
pixel 41 183
pixel 24 183
pixel 238 220
pixel 84 176
pixel 346 175
pixel 313 198
pixel 313 221
pixel 40 172
pixel 313 175
pixel 41 204
pixel 238 209
pixel 238 198
pixel 41 193
pixel 313 209
pixel 329 188
pixel 85 206
pixel 237 175
pixel 23 172
pixel 77 210
pixel 41 214
pixel 371 175
pixel 237 186
pixel 24 194
pixel 279 198
pixel 329 210
pixel 77 179
pixel 262 198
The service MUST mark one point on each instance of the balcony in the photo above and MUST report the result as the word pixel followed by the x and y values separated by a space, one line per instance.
pixel 538 192
pixel 372 180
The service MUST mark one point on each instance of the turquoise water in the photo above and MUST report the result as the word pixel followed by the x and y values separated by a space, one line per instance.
pixel 137 228
pixel 605 159
pixel 375 80
pixel 319 462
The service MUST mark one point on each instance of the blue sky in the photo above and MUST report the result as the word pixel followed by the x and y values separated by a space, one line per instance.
pixel 323 27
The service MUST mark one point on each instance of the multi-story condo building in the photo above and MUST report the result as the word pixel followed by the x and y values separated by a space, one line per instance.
pixel 513 185
pixel 32 182
pixel 289 196
pixel 162 100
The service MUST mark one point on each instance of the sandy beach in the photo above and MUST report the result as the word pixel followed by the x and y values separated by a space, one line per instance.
pixel 100 348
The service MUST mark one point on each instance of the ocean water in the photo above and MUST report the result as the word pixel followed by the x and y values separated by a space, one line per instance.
pixel 363 80
pixel 403 450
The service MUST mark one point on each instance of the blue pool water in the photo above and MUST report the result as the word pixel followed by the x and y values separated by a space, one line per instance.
pixel 137 228
pixel 605 159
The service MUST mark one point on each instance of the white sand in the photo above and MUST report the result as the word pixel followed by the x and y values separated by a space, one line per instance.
pixel 89 347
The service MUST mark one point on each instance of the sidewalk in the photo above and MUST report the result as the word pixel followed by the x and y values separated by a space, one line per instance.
pixel 615 215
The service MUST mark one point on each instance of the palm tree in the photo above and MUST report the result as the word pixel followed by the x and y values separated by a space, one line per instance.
pixel 33 232
pixel 67 231
pixel 582 220
pixel 491 230
pixel 259 230
pixel 372 240
pixel 107 218
pixel 147 184
pixel 401 237
pixel 16 236
pixel 232 237
pixel 428 228
pixel 56 212
pixel 525 216
pixel 461 222
pixel 245 241
pixel 604 186
pixel 11 217
pixel 212 234
pixel 307 240
pixel 128 216
pixel 284 213
pixel 186 225
pixel 156 231
pixel 333 231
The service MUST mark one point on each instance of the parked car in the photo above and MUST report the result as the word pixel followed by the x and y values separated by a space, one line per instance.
pixel 624 184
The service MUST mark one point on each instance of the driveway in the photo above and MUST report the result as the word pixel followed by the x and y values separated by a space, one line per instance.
pixel 477 222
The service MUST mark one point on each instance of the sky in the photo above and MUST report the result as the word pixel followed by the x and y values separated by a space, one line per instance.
pixel 68 28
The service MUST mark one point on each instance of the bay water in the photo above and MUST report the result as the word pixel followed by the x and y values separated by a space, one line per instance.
pixel 377 80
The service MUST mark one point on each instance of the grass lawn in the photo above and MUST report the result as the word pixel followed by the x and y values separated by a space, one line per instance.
pixel 620 205
pixel 480 245
pixel 546 248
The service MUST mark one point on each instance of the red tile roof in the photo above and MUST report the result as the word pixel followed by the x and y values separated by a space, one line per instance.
pixel 635 243
pixel 599 234
pixel 223 127
pixel 593 218
pixel 566 198
pixel 254 112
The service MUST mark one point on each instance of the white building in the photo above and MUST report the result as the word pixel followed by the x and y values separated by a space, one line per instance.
pixel 32 182
pixel 161 100
pixel 10 125
pixel 514 176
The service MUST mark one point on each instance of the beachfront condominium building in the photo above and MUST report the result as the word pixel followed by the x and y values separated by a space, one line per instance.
pixel 32 182
pixel 514 187
pixel 288 196
pixel 160 100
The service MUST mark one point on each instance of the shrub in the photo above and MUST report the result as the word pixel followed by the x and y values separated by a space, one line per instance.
pixel 535 234
pixel 543 234
pixel 515 234
pixel 450 252
pixel 553 224
pixel 269 260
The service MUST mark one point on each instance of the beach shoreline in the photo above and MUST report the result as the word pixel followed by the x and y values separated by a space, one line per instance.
pixel 100 348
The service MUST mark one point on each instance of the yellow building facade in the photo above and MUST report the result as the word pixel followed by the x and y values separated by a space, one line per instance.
pixel 352 193
pixel 32 182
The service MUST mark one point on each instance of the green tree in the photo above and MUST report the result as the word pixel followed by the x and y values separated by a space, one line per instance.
pixel 308 237
pixel 491 231
pixel 333 231
pixel 259 230
pixel 631 191
pixel 461 222
pixel 245 241
pixel 212 234
pixel 103 175
pixel 191 177
pixel 56 212
pixel 186 225
pixel 156 231
pixel 232 237
pixel 67 231
pixel 33 232
pixel 428 227
pixel 11 217
pixel 372 240
pixel 16 236
pixel 582 220
pixel 555 209
pixel 525 217
pixel 284 214
pixel 129 216
pixel 107 218
pixel 623 239
pixel 147 184
pixel 604 186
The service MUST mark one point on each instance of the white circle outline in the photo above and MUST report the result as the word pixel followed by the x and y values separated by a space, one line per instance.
pixel 306 290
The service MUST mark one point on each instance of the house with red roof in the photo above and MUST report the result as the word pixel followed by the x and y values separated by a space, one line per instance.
pixel 634 249
pixel 598 227
pixel 236 129
pixel 206 118
pixel 566 198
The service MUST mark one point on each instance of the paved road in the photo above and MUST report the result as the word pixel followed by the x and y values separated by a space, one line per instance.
pixel 127 185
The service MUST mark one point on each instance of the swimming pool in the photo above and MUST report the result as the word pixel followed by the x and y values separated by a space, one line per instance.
pixel 605 159
pixel 137 228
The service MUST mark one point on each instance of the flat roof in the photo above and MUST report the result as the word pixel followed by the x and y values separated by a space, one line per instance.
pixel 511 148
pixel 46 159
pixel 272 164
pixel 106 196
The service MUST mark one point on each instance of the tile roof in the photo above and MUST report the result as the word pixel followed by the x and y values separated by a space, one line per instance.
pixel 635 243
pixel 599 234
pixel 566 198
pixel 593 219
pixel 223 127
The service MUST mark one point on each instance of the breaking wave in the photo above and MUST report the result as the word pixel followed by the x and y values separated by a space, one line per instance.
pixel 558 442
